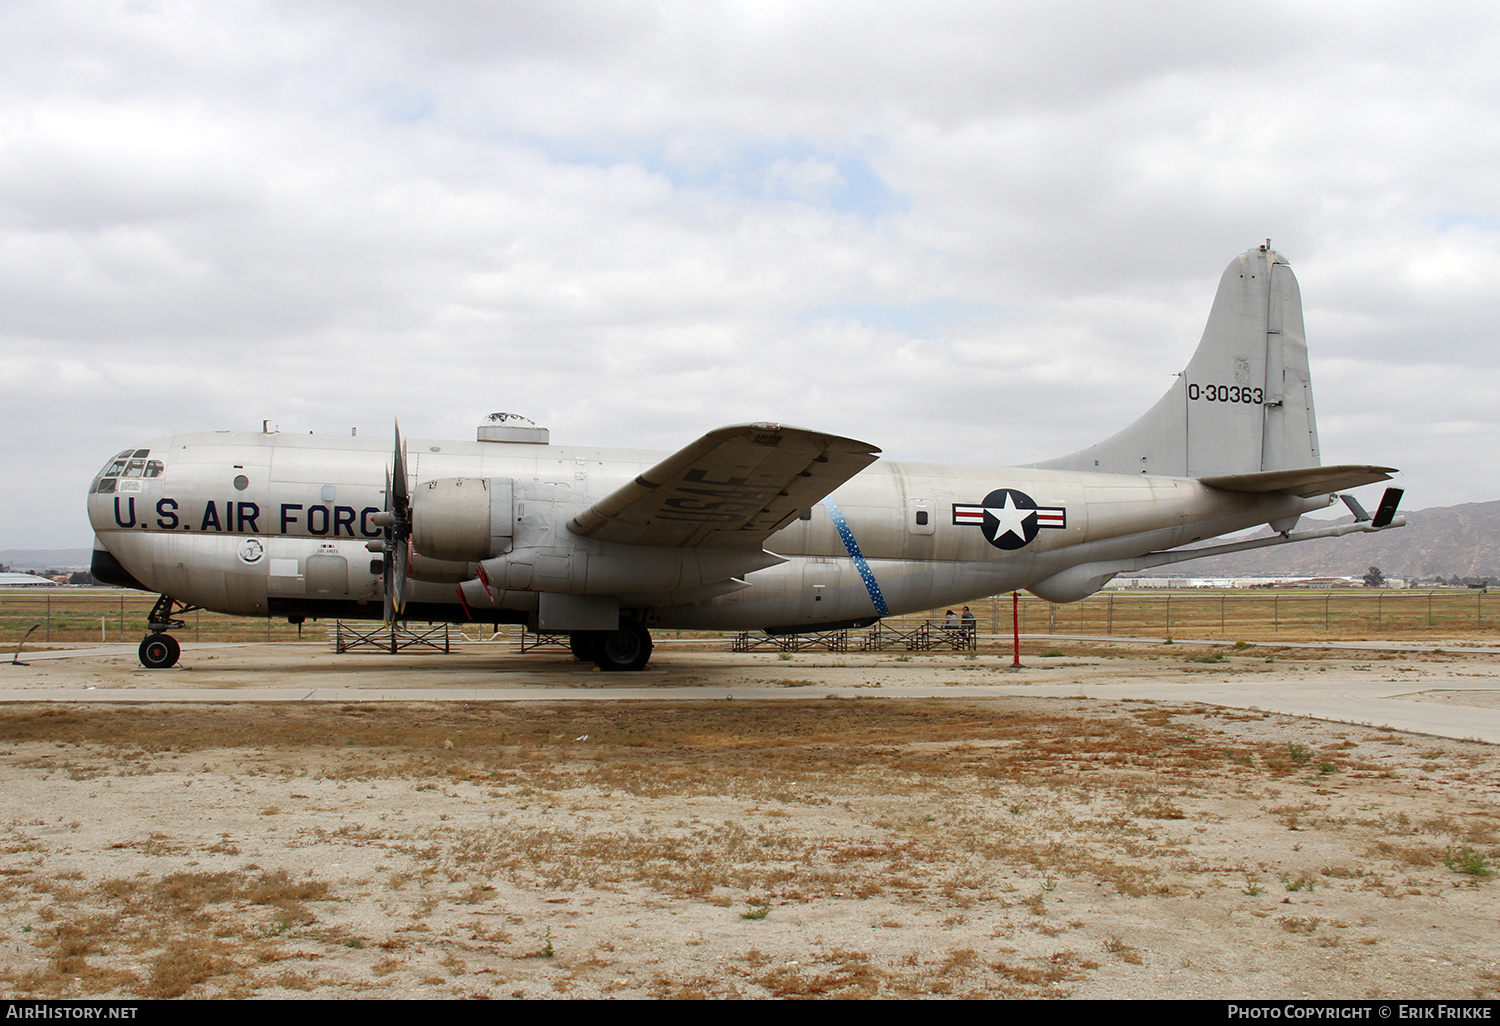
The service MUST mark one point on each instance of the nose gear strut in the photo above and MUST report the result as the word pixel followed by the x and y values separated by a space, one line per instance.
pixel 159 649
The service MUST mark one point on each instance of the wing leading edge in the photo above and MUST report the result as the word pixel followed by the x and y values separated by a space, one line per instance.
pixel 732 488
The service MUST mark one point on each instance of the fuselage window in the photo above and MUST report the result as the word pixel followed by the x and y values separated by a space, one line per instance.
pixel 154 468
pixel 134 468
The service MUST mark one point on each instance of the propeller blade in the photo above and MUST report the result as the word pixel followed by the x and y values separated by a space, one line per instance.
pixel 397 595
pixel 395 523
pixel 400 499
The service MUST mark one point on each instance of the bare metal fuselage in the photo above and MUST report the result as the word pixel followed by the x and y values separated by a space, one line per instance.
pixel 271 525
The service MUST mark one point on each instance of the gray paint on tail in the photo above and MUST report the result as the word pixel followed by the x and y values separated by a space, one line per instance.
pixel 1253 347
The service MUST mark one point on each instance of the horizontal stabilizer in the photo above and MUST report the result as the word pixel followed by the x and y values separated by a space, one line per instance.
pixel 733 487
pixel 1305 482
pixel 1388 503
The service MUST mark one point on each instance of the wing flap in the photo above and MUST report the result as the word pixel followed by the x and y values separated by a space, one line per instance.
pixel 733 487
pixel 1305 482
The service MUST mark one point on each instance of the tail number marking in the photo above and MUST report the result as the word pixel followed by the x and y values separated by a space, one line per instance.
pixel 1226 394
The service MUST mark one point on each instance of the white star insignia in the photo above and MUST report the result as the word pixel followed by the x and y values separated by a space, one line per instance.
pixel 1011 518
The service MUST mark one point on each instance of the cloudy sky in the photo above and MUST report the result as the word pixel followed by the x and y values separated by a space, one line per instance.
pixel 972 232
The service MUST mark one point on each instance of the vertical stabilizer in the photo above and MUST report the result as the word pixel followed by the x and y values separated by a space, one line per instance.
pixel 1243 405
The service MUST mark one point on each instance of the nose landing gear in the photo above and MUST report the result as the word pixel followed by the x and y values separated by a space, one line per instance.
pixel 159 649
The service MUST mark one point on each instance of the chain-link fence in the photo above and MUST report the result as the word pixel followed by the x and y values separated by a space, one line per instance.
pixel 82 615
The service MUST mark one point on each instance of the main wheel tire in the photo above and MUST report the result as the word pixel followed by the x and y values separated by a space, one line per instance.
pixel 159 651
pixel 626 649
pixel 585 644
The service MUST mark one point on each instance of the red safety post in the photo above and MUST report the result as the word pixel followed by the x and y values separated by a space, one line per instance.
pixel 1015 628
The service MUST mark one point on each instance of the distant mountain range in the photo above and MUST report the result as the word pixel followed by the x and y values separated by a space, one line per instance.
pixel 1462 541
pixel 1451 541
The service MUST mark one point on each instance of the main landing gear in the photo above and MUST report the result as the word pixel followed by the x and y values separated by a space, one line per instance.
pixel 625 649
pixel 159 649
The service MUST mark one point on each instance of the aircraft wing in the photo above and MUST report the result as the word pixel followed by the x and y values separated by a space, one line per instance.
pixel 733 487
pixel 1306 481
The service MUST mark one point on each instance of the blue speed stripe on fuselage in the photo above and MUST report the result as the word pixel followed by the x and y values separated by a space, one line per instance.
pixel 852 547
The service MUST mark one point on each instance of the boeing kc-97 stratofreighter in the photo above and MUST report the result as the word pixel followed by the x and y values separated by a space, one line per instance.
pixel 755 526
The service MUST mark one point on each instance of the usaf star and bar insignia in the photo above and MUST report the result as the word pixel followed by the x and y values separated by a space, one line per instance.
pixel 1009 519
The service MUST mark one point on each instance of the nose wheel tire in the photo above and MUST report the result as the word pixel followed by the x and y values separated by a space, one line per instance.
pixel 159 651
pixel 626 649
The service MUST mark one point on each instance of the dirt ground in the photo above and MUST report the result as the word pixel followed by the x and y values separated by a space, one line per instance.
pixel 1084 846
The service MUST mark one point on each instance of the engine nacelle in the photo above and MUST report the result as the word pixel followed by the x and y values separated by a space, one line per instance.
pixel 1074 583
pixel 462 519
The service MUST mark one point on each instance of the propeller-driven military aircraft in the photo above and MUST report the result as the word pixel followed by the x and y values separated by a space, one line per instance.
pixel 754 526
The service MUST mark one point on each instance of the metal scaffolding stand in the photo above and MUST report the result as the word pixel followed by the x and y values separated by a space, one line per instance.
pixel 530 641
pixel 390 637
pixel 918 636
pixel 832 641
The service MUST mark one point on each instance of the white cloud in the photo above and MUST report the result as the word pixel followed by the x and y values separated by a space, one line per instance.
pixel 984 229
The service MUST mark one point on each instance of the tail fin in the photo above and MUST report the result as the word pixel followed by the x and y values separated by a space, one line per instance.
pixel 1243 405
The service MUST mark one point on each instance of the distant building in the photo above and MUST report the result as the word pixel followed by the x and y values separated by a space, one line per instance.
pixel 15 580
pixel 1133 583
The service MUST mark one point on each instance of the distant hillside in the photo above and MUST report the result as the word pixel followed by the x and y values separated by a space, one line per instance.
pixel 44 559
pixel 1462 541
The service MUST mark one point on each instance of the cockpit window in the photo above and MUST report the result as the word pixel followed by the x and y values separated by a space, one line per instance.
pixel 130 463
